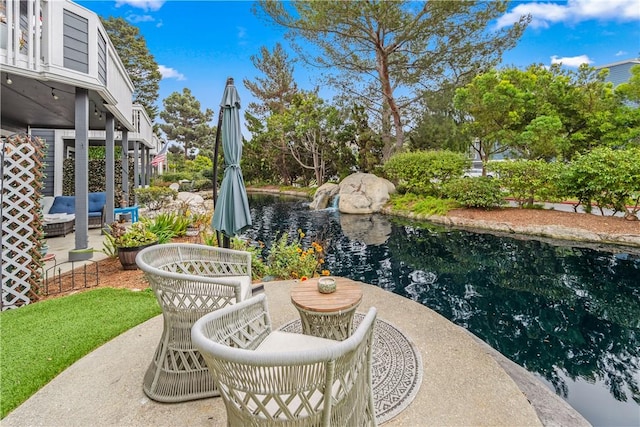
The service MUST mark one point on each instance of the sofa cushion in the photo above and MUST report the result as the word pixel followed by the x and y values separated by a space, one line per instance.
pixel 97 201
pixel 58 218
pixel 47 202
pixel 63 204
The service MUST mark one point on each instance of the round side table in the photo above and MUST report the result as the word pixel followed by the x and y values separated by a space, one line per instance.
pixel 327 315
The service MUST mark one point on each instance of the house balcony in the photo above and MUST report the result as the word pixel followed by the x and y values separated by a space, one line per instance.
pixel 48 50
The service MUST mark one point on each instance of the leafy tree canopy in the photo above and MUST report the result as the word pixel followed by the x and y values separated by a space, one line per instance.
pixel 543 112
pixel 185 122
pixel 382 49
pixel 276 89
pixel 310 129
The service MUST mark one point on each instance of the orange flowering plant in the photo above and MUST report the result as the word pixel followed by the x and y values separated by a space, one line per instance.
pixel 289 259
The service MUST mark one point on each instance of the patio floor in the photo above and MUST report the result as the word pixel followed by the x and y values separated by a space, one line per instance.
pixel 464 381
pixel 61 245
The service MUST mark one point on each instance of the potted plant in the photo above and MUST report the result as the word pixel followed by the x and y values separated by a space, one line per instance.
pixel 128 241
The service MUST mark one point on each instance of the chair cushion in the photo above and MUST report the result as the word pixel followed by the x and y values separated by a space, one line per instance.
pixel 278 341
pixel 63 204
pixel 97 202
pixel 58 218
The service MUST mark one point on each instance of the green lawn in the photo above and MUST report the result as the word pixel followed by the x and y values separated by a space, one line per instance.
pixel 41 340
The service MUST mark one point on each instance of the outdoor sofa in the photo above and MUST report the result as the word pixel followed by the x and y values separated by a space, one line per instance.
pixel 59 213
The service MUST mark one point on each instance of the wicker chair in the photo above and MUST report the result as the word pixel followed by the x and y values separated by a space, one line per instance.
pixel 274 378
pixel 189 280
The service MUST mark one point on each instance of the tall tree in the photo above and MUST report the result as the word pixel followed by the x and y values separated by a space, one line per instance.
pixel 493 117
pixel 276 89
pixel 382 49
pixel 543 113
pixel 274 92
pixel 140 64
pixel 363 140
pixel 311 130
pixel 437 124
pixel 185 123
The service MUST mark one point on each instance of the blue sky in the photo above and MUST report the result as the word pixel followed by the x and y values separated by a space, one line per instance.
pixel 198 44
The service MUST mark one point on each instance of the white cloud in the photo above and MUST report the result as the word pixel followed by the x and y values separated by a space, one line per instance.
pixel 170 73
pixel 571 61
pixel 621 53
pixel 146 5
pixel 242 34
pixel 544 14
pixel 136 19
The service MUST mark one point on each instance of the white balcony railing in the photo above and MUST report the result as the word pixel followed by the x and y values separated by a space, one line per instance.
pixel 143 128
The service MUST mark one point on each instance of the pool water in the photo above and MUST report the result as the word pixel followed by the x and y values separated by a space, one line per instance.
pixel 568 314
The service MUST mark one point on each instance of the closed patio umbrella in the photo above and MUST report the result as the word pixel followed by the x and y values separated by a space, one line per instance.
pixel 231 209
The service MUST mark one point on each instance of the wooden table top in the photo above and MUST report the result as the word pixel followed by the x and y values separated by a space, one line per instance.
pixel 306 296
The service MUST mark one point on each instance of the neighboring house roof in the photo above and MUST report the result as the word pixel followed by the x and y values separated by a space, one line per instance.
pixel 619 72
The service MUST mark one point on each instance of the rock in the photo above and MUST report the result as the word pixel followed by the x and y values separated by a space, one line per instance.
pixel 175 186
pixel 374 232
pixel 364 193
pixel 191 198
pixel 324 194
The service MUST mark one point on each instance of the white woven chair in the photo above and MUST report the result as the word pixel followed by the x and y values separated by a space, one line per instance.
pixel 189 280
pixel 273 378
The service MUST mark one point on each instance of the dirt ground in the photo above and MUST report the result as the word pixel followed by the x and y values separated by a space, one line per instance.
pixel 516 216
pixel 111 273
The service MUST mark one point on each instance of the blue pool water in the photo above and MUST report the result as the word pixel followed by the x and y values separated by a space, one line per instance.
pixel 568 314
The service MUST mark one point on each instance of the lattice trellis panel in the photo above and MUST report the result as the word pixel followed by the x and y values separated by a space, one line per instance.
pixel 22 180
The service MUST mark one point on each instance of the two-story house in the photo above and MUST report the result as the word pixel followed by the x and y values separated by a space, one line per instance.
pixel 62 80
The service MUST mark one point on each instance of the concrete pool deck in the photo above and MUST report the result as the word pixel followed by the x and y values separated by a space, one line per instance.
pixel 464 382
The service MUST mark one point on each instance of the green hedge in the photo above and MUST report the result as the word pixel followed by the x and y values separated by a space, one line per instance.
pixel 480 192
pixel 425 172
pixel 607 177
pixel 530 180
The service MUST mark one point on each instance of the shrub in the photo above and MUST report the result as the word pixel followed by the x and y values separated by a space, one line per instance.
pixel 608 177
pixel 289 260
pixel 166 225
pixel 202 184
pixel 155 198
pixel 530 180
pixel 175 176
pixel 480 192
pixel 136 235
pixel 425 172
pixel 258 268
pixel 185 186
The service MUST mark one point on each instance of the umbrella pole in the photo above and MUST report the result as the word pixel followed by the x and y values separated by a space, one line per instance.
pixel 215 169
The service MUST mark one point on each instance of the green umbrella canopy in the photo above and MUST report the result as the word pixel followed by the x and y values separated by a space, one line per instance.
pixel 231 211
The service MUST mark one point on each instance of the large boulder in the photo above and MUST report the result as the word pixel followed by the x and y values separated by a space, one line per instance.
pixel 364 193
pixel 324 194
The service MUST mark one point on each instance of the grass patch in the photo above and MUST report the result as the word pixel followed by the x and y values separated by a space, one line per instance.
pixel 41 340
pixel 423 205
